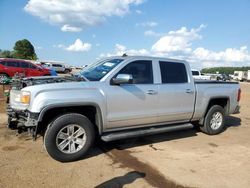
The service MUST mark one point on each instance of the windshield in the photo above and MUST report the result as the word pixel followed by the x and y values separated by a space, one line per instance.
pixel 97 71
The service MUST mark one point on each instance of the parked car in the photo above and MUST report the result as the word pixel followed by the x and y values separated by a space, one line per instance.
pixel 120 98
pixel 68 69
pixel 51 69
pixel 9 67
pixel 223 77
pixel 199 76
pixel 57 66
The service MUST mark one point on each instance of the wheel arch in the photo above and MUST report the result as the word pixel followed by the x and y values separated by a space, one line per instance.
pixel 91 110
pixel 223 101
pixel 5 73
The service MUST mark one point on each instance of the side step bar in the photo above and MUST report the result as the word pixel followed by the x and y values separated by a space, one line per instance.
pixel 118 135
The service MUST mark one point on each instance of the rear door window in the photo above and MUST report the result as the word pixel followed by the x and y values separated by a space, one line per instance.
pixel 3 63
pixel 12 64
pixel 172 72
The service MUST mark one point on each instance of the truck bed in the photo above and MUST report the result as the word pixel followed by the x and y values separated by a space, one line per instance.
pixel 206 90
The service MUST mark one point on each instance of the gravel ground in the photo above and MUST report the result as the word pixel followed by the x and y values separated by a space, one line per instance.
pixel 181 159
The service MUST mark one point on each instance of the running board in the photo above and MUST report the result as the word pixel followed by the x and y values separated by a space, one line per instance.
pixel 118 135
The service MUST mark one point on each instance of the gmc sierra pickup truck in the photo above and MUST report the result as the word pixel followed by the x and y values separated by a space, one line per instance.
pixel 118 98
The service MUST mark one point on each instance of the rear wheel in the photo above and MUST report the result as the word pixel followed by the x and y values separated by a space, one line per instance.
pixel 214 121
pixel 69 137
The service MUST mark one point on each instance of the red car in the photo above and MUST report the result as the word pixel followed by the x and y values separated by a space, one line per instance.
pixel 9 67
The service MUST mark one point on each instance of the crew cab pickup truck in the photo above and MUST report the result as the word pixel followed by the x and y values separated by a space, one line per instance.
pixel 118 98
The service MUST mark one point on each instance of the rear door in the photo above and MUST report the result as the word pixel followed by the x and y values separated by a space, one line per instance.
pixel 12 67
pixel 176 93
pixel 133 104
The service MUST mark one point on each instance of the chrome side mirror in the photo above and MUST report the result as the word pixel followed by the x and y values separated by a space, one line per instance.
pixel 122 79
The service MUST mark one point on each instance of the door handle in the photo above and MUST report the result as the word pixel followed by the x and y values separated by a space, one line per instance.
pixel 190 91
pixel 151 92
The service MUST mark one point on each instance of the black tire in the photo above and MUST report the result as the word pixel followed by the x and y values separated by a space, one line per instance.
pixel 60 123
pixel 207 127
pixel 3 77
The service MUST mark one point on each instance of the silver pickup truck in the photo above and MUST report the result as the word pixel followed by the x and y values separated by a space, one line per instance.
pixel 118 98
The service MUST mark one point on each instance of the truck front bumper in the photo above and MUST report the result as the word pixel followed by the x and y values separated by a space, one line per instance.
pixel 22 118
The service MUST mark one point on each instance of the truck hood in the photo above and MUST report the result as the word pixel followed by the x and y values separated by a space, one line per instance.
pixel 62 86
pixel 19 82
pixel 67 93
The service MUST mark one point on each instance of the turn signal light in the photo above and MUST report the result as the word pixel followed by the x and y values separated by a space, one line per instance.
pixel 25 98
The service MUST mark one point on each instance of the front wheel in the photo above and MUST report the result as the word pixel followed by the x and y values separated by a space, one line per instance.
pixel 3 78
pixel 69 137
pixel 214 121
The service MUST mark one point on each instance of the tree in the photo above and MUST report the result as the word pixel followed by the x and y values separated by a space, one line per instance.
pixel 225 70
pixel 6 54
pixel 23 49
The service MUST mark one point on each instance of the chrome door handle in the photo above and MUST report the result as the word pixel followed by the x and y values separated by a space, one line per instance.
pixel 189 91
pixel 151 92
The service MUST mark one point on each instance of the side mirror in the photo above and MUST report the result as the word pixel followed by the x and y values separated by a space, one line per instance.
pixel 122 79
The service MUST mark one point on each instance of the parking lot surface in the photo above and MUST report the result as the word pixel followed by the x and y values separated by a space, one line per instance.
pixel 180 159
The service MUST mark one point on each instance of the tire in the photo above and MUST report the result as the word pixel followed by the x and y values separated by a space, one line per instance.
pixel 59 137
pixel 3 77
pixel 214 121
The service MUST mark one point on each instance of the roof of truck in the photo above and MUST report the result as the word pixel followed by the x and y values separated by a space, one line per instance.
pixel 144 57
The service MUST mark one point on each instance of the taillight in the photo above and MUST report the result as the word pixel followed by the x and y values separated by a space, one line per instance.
pixel 239 95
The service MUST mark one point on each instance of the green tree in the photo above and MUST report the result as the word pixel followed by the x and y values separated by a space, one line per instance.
pixel 225 70
pixel 6 54
pixel 23 49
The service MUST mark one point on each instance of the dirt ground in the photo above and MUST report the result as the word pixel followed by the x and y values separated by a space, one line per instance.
pixel 180 159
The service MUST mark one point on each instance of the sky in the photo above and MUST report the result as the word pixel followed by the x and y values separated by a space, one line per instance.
pixel 206 33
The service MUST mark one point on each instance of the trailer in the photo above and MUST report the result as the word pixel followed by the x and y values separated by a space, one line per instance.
pixel 248 75
pixel 240 75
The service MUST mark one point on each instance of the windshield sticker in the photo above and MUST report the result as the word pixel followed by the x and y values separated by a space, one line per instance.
pixel 108 64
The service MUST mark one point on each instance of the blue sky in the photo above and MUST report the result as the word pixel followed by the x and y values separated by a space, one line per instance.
pixel 206 33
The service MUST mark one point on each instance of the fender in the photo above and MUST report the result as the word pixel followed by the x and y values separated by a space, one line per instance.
pixel 99 122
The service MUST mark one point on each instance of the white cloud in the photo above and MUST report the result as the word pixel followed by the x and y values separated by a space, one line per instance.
pixel 68 28
pixel 150 33
pixel 79 46
pixel 178 44
pixel 227 57
pixel 78 14
pixel 147 24
pixel 178 41
pixel 121 49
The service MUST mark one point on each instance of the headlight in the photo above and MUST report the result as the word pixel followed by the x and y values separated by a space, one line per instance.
pixel 19 99
pixel 22 97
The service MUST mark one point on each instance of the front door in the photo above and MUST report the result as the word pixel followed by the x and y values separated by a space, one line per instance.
pixel 133 104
